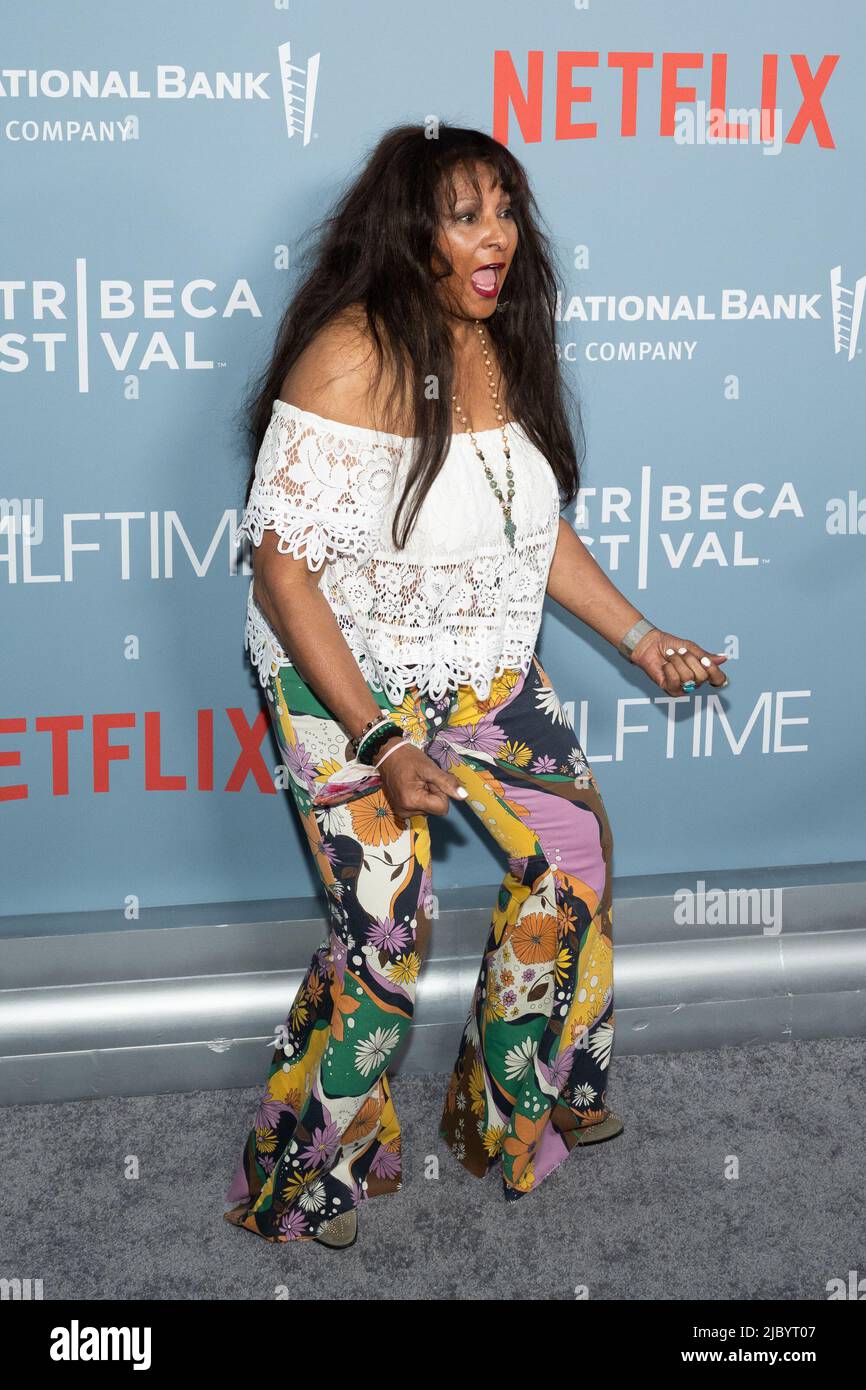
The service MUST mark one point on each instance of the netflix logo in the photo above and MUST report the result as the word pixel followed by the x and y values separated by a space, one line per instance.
pixel 106 740
pixel 520 89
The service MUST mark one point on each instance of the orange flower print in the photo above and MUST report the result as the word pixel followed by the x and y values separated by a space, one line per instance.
pixel 565 920
pixel 363 1122
pixel 343 1004
pixel 373 821
pixel 534 938
pixel 315 989
pixel 522 1146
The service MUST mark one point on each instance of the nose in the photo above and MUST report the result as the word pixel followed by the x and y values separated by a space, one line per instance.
pixel 493 233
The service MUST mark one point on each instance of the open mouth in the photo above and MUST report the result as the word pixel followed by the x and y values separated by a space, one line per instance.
pixel 485 280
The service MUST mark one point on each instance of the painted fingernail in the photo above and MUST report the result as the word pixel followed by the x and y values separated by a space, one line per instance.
pixel 669 651
pixel 689 686
pixel 705 661
pixel 682 650
pixel 461 791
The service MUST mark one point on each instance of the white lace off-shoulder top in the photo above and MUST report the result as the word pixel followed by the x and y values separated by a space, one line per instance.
pixel 458 604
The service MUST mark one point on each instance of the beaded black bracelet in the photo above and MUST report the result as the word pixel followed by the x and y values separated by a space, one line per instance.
pixel 370 724
pixel 373 742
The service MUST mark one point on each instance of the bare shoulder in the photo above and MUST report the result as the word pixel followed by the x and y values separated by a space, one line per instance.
pixel 336 375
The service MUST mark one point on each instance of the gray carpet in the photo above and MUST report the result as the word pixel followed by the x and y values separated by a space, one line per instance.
pixel 648 1215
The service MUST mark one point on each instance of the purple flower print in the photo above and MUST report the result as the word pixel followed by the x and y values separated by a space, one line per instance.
pixel 484 737
pixel 386 1164
pixel 269 1112
pixel 322 1146
pixel 509 998
pixel 528 975
pixel 292 1224
pixel 298 761
pixel 557 1072
pixel 338 956
pixel 544 764
pixel 387 935
pixel 328 850
pixel 425 890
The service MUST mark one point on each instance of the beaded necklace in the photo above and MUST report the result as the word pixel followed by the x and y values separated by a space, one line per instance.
pixel 509 527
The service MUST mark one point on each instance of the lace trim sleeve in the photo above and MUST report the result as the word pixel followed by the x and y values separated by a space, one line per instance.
pixel 321 485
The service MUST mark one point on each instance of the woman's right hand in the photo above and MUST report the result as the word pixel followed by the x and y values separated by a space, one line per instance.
pixel 413 784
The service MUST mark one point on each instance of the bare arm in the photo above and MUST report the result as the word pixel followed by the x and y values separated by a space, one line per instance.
pixel 333 378
pixel 577 581
pixel 287 592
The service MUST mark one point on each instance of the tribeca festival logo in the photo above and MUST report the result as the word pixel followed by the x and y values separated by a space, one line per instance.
pixel 297 80
pixel 684 525
pixel 45 322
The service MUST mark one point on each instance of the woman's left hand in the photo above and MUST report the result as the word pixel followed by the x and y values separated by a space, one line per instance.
pixel 673 661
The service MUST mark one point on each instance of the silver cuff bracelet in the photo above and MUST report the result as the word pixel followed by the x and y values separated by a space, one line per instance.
pixel 634 635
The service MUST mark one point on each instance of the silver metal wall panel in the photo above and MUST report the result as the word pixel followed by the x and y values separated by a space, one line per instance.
pixel 195 1005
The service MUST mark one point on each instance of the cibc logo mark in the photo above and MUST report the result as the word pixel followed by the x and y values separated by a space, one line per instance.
pixel 299 92
pixel 847 311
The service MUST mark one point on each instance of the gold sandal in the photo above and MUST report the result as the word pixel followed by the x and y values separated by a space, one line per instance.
pixel 608 1128
pixel 340 1232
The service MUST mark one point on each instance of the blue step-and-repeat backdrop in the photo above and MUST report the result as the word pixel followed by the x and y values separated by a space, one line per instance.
pixel 700 168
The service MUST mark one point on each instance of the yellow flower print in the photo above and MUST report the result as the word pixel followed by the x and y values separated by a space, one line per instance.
pixel 404 970
pixel 299 1011
pixel 373 821
pixel 477 1095
pixel 493 1006
pixel 298 1181
pixel 266 1140
pixel 492 1140
pixel 293 1084
pixel 500 688
pixel 515 752
pixel 326 769
pixel 410 716
pixel 526 1180
pixel 562 965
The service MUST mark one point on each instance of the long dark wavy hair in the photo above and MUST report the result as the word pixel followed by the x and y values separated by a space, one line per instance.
pixel 375 248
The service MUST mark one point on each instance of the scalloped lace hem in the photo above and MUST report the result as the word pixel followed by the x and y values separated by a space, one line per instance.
pixel 432 678
pixel 319 540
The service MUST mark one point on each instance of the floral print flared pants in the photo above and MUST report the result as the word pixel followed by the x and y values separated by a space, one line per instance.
pixel 532 1063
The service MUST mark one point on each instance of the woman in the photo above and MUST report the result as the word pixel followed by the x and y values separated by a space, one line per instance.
pixel 412 456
